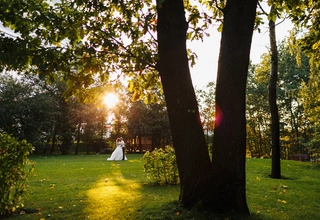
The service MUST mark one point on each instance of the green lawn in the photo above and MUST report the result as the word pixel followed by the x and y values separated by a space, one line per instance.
pixel 90 187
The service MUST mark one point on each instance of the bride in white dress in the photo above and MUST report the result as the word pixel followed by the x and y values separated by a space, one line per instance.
pixel 118 153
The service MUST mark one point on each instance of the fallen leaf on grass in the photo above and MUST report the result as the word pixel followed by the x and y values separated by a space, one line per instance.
pixel 284 191
pixel 282 201
pixel 283 186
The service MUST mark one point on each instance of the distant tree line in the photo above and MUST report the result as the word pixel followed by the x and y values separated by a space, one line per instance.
pixel 298 101
pixel 33 110
pixel 296 90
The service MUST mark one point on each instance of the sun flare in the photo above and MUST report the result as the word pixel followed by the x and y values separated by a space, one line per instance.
pixel 110 100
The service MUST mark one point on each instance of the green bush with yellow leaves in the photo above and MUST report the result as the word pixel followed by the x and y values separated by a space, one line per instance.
pixel 13 172
pixel 161 166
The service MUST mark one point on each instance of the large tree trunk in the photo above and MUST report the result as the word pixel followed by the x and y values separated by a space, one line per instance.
pixel 188 138
pixel 229 149
pixel 275 128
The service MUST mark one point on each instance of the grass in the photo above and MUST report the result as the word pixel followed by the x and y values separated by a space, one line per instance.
pixel 90 187
pixel 295 196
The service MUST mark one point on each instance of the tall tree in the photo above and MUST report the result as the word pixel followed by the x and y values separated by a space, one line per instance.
pixel 229 148
pixel 275 10
pixel 188 139
pixel 272 98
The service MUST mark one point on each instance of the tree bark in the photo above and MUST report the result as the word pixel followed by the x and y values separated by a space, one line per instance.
pixel 55 130
pixel 78 139
pixel 187 133
pixel 140 143
pixel 228 186
pixel 275 128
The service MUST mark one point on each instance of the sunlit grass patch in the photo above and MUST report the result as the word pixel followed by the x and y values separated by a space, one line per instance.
pixel 113 195
pixel 125 195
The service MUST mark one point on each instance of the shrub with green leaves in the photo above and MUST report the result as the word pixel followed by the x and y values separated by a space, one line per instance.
pixel 14 170
pixel 161 165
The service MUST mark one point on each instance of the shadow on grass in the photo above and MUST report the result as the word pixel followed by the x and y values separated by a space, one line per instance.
pixel 127 197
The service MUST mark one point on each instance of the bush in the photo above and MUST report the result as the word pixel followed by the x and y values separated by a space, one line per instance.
pixel 161 165
pixel 13 173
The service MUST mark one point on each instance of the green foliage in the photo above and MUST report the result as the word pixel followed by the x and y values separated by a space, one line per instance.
pixel 150 121
pixel 88 41
pixel 310 98
pixel 13 175
pixel 26 109
pixel 146 86
pixel 161 165
pixel 293 123
pixel 206 103
pixel 306 17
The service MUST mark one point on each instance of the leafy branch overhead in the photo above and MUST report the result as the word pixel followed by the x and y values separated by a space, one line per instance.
pixel 88 40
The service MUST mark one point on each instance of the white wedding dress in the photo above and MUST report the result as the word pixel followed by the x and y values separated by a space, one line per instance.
pixel 117 154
